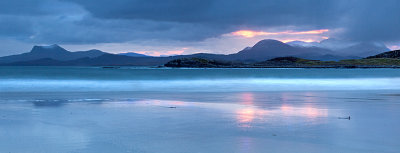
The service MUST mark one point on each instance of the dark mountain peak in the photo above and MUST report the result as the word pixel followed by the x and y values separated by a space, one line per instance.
pixel 269 43
pixel 267 46
pixel 95 51
pixel 54 52
pixel 47 49
pixel 265 49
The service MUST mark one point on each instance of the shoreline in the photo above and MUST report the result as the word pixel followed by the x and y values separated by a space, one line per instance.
pixel 304 67
pixel 221 67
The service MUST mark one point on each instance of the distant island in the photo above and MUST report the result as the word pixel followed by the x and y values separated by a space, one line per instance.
pixel 264 54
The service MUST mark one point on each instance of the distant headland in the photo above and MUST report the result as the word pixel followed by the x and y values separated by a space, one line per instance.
pixel 289 62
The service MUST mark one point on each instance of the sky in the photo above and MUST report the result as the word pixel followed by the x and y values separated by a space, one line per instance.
pixel 169 27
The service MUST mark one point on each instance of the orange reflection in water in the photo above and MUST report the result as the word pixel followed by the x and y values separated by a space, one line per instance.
pixel 313 112
pixel 286 108
pixel 248 113
pixel 245 116
pixel 308 111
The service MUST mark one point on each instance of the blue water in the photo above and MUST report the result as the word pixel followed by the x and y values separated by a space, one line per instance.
pixel 148 110
pixel 59 79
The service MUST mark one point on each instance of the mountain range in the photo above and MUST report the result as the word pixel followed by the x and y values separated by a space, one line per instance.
pixel 55 55
pixel 54 52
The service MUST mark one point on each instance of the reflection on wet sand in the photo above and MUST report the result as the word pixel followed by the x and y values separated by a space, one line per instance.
pixel 245 117
pixel 225 122
pixel 249 113
pixel 246 114
pixel 308 111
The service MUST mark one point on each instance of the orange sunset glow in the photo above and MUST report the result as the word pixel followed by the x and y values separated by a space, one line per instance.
pixel 250 33
pixel 246 115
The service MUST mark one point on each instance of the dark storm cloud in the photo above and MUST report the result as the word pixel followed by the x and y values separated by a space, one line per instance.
pixel 53 21
pixel 218 12
pixel 20 7
pixel 371 20
pixel 98 21
pixel 15 26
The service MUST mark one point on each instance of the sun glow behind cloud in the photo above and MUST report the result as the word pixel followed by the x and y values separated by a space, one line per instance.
pixel 250 33
pixel 284 36
pixel 394 47
pixel 305 40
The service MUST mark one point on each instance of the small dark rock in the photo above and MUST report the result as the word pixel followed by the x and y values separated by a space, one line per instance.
pixel 347 118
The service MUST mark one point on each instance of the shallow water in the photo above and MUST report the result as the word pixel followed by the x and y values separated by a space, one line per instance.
pixel 67 79
pixel 39 114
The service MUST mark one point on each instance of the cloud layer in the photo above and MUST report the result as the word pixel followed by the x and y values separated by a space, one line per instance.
pixel 85 22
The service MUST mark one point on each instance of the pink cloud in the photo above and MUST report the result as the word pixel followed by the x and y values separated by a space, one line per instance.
pixel 394 47
pixel 250 33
